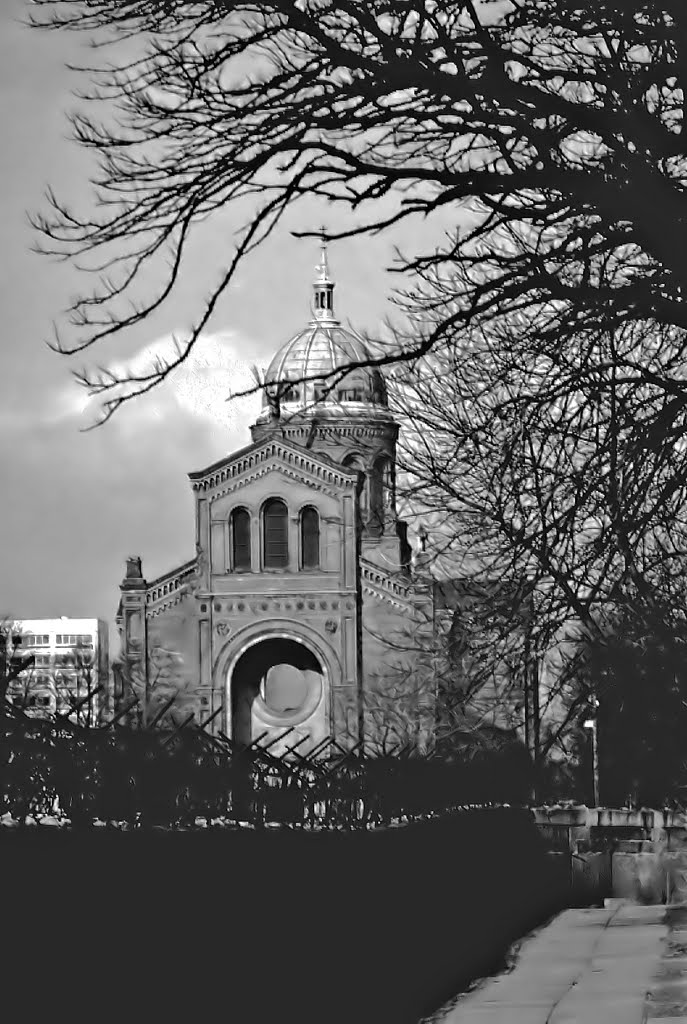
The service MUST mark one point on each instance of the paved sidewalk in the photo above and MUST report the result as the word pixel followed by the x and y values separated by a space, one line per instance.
pixel 622 964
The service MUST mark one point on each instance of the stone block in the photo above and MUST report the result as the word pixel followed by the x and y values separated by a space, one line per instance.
pixel 676 836
pixel 562 816
pixel 638 877
pixel 591 876
pixel 634 846
pixel 674 863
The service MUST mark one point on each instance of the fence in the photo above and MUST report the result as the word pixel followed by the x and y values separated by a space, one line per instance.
pixel 54 766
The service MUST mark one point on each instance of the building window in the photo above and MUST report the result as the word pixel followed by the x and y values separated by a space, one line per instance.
pixel 275 535
pixel 350 395
pixel 31 640
pixel 74 640
pixel 310 538
pixel 240 540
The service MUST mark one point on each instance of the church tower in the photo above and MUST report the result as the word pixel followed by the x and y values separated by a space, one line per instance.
pixel 281 628
pixel 322 393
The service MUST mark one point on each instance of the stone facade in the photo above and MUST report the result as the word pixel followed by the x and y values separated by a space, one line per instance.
pixel 296 609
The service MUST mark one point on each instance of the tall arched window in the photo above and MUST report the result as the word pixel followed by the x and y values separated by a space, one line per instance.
pixel 275 537
pixel 310 538
pixel 240 540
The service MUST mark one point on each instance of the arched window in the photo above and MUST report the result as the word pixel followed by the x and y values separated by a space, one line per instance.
pixel 310 538
pixel 275 524
pixel 240 540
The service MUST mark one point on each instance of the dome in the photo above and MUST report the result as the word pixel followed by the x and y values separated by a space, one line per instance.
pixel 315 358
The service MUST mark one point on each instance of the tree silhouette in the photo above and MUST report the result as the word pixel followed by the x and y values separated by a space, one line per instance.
pixel 548 482
pixel 545 139
pixel 636 670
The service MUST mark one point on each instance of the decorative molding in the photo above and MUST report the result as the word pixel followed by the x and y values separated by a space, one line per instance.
pixel 271 456
pixel 380 595
pixel 170 589
pixel 278 466
pixel 223 628
pixel 378 583
pixel 375 575
pixel 169 580
pixel 151 613
pixel 358 433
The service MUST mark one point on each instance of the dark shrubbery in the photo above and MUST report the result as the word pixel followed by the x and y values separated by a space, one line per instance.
pixel 340 923
pixel 158 778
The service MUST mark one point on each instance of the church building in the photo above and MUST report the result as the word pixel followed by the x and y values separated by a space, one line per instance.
pixel 298 606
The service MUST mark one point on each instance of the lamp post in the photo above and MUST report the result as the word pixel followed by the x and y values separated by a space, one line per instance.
pixel 592 725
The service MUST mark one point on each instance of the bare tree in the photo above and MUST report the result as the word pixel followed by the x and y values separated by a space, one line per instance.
pixel 552 478
pixel 78 690
pixel 15 668
pixel 157 695
pixel 546 139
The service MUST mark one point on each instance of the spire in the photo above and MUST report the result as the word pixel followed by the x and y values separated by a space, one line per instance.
pixel 323 286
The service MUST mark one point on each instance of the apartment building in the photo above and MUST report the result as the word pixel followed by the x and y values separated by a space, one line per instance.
pixel 71 661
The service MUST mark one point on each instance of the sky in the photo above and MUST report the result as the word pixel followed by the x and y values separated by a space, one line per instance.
pixel 74 503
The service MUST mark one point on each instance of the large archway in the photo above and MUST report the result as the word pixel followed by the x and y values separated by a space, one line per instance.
pixel 276 683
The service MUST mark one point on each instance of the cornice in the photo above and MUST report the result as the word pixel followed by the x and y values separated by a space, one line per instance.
pixel 382 595
pixel 380 584
pixel 170 589
pixel 270 467
pixel 303 466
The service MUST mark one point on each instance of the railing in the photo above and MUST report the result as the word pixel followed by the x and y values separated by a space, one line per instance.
pixel 238 465
pixel 55 767
pixel 169 583
pixel 377 577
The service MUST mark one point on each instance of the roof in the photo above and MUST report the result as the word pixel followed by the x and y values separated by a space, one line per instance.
pixel 459 593
pixel 287 446
pixel 317 358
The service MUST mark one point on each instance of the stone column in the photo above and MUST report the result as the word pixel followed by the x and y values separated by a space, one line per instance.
pixel 294 542
pixel 255 544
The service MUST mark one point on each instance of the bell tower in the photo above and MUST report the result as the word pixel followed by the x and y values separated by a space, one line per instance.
pixel 322 391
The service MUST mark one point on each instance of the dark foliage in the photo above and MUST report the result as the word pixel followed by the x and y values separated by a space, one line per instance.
pixel 170 779
pixel 637 672
pixel 373 926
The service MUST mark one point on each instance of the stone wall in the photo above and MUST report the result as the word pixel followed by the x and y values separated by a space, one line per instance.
pixel 397 670
pixel 173 659
pixel 639 855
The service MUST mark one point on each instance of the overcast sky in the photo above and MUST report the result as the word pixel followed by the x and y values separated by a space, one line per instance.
pixel 73 505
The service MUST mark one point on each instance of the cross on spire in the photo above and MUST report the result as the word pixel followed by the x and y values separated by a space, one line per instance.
pixel 323 266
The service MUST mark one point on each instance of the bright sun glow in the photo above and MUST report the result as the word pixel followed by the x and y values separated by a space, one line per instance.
pixel 200 386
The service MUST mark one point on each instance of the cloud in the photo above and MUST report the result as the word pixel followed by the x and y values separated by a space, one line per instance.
pixel 200 386
pixel 76 504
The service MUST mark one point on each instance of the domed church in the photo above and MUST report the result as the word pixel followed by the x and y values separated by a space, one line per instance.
pixel 298 603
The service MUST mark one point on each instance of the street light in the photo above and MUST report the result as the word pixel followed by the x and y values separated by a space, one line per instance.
pixel 592 725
